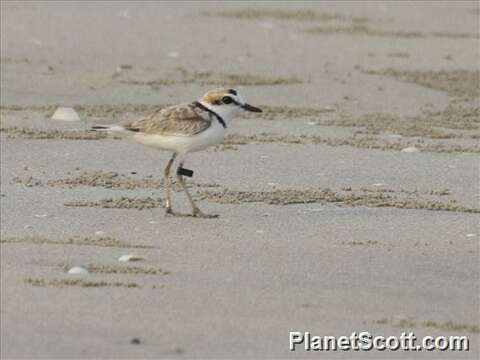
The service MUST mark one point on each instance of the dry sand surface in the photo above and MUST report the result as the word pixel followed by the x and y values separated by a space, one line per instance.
pixel 326 225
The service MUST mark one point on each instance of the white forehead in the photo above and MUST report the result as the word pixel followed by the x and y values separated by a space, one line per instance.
pixel 237 97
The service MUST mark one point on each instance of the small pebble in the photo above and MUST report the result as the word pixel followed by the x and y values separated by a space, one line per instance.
pixel 173 54
pixel 411 149
pixel 135 341
pixel 378 184
pixel 77 270
pixel 65 114
pixel 99 233
pixel 130 257
pixel 471 235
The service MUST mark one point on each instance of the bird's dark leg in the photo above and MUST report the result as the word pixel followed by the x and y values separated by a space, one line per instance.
pixel 168 185
pixel 196 212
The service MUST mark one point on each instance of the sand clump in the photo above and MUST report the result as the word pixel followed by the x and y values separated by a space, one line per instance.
pixel 291 14
pixel 346 197
pixel 366 243
pixel 456 83
pixel 338 198
pixel 29 181
pixel 357 140
pixel 362 29
pixel 204 78
pixel 404 322
pixel 14 132
pixel 123 202
pixel 62 283
pixel 426 125
pixel 404 55
pixel 10 60
pixel 116 269
pixel 105 179
pixel 451 326
pixel 358 29
pixel 77 241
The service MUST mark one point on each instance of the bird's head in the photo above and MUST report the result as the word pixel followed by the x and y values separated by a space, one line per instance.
pixel 227 103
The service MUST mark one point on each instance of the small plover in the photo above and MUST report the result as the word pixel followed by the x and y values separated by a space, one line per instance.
pixel 185 128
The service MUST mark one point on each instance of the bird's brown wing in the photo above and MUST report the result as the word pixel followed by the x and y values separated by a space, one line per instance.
pixel 178 120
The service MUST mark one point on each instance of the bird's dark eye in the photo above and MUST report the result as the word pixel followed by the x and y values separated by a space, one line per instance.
pixel 227 100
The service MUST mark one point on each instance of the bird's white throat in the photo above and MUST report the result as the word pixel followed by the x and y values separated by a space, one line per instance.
pixel 226 112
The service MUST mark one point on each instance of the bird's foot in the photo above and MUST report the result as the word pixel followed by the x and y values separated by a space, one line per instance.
pixel 198 213
pixel 170 213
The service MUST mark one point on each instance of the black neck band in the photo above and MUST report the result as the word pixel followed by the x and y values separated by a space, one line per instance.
pixel 219 118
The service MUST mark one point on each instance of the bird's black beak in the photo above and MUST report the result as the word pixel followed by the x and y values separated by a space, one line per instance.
pixel 248 107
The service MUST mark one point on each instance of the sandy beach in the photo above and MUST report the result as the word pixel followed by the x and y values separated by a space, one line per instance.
pixel 350 204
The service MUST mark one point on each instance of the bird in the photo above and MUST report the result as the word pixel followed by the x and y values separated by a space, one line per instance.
pixel 183 129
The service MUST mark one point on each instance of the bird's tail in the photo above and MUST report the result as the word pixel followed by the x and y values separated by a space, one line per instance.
pixel 111 129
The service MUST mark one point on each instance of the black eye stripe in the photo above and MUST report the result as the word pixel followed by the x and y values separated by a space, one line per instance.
pixel 233 92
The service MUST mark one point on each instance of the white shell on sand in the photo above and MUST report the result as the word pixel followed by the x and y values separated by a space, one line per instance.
pixel 411 149
pixel 471 235
pixel 77 270
pixel 130 257
pixel 65 114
